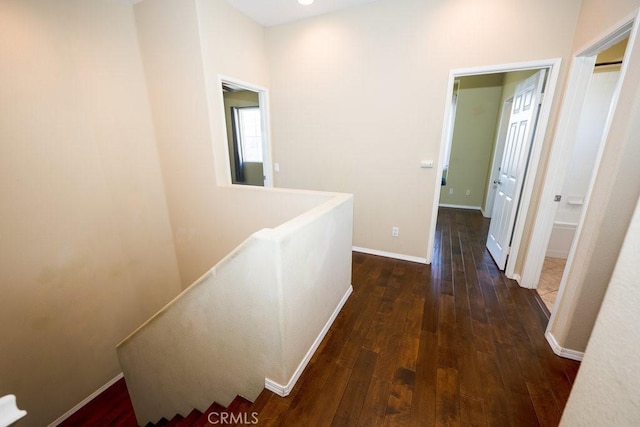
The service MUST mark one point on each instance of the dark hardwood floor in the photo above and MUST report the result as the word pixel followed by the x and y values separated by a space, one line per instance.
pixel 455 343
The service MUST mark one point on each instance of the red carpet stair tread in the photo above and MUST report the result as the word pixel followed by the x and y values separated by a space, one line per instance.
pixel 113 408
pixel 239 412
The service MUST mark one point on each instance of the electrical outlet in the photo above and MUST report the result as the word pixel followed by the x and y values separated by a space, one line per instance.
pixel 451 191
pixel 395 231
pixel 468 192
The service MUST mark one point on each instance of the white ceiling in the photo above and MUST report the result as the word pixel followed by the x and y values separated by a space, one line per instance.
pixel 275 12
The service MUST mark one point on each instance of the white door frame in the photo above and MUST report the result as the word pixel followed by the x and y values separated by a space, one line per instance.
pixel 562 148
pixel 536 150
pixel 263 99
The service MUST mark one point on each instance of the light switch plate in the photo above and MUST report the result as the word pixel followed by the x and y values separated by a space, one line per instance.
pixel 426 164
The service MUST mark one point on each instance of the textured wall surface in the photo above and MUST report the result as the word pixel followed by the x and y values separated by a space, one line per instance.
pixel 87 249
pixel 606 389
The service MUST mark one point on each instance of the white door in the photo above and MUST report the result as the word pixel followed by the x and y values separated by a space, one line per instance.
pixel 501 140
pixel 522 126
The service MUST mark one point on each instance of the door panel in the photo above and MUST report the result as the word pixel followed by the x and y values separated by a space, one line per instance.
pixel 522 124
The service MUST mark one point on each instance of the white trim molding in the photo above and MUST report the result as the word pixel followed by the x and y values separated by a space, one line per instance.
pixel 9 411
pixel 553 65
pixel 284 390
pixel 86 400
pixel 263 101
pixel 561 351
pixel 472 208
pixel 562 149
pixel 392 255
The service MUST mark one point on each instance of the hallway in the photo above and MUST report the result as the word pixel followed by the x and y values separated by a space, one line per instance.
pixel 457 343
pixel 453 343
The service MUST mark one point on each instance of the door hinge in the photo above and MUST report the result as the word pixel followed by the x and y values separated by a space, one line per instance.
pixel 508 250
pixel 557 198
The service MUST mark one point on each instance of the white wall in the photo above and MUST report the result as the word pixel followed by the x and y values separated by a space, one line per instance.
pixel 590 128
pixel 213 342
pixel 250 324
pixel 87 250
pixel 583 162
pixel 315 255
pixel 606 388
pixel 358 98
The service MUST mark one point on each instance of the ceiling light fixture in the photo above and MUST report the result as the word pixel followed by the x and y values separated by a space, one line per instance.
pixel 305 2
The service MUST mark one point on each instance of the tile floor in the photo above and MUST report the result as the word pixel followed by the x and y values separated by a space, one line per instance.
pixel 550 280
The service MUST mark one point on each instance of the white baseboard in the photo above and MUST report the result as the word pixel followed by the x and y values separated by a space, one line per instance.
pixel 284 390
pixel 557 254
pixel 563 352
pixel 86 400
pixel 390 255
pixel 473 208
pixel 517 278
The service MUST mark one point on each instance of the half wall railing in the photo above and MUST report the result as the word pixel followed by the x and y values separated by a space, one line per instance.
pixel 253 320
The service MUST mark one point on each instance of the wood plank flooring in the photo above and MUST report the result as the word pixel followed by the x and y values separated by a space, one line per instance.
pixel 455 343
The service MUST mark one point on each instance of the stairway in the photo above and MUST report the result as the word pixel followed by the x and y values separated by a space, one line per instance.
pixel 240 412
pixel 113 408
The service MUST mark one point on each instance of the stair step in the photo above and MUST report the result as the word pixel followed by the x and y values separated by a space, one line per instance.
pixel 176 420
pixel 190 420
pixel 239 404
pixel 218 414
pixel 216 407
pixel 261 401
pixel 210 416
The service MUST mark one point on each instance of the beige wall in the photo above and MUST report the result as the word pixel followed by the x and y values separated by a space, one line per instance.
pixel 613 198
pixel 606 390
pixel 185 46
pixel 85 229
pixel 87 250
pixel 598 17
pixel 474 131
pixel 393 58
pixel 232 46
pixel 253 172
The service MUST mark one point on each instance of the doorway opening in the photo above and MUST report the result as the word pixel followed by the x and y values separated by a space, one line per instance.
pixel 581 168
pixel 247 133
pixel 480 139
